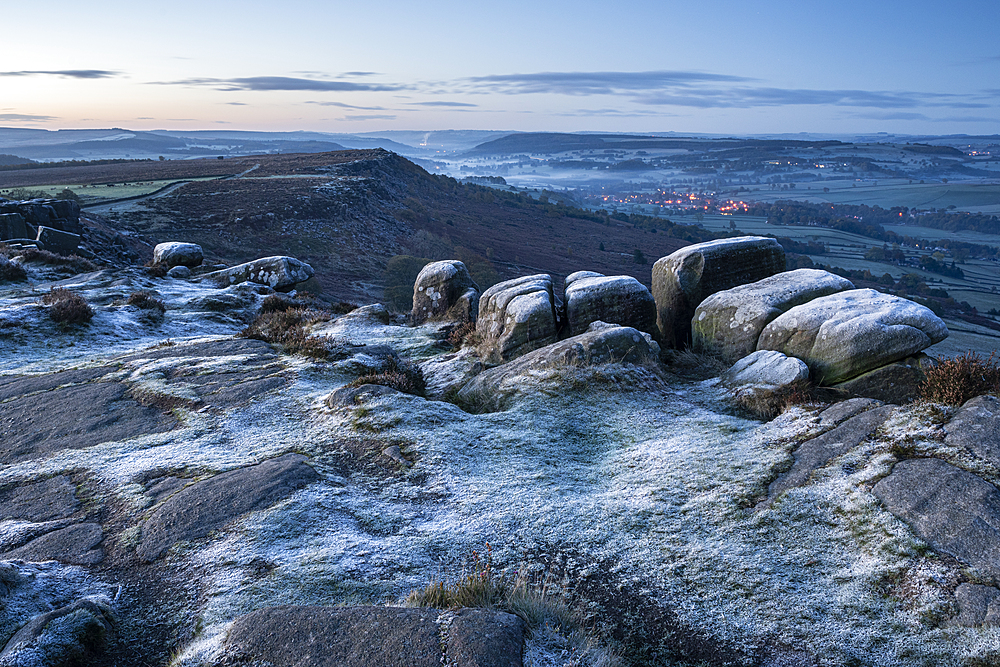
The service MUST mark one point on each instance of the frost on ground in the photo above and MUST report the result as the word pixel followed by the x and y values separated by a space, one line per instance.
pixel 652 481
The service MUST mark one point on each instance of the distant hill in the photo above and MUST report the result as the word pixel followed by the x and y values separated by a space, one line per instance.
pixel 548 142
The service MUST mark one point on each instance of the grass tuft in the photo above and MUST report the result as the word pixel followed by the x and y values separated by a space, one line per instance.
pixel 464 334
pixel 11 272
pixel 954 381
pixel 66 307
pixel 145 300
pixel 74 263
pixel 398 374
pixel 555 629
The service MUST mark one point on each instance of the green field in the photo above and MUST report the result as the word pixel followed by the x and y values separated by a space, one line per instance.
pixel 96 193
pixel 977 198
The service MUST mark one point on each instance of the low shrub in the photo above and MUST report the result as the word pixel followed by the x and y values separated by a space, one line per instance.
pixel 287 328
pixel 73 263
pixel 66 307
pixel 11 272
pixel 145 300
pixel 398 374
pixel 464 334
pixel 954 381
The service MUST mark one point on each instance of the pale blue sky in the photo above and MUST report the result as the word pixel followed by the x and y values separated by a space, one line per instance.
pixel 710 66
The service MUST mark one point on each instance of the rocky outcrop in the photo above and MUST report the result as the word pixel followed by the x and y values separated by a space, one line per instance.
pixel 176 253
pixel 12 227
pixel 765 371
pixel 516 317
pixel 844 335
pixel 728 323
pixel 57 241
pixel 591 297
pixel 684 279
pixel 954 511
pixel 898 382
pixel 208 505
pixel 291 636
pixel 444 291
pixel 602 343
pixel 278 272
pixel 61 214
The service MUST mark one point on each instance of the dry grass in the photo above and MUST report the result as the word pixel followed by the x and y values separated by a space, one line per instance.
pixel 287 328
pixel 954 381
pixel 73 263
pixel 145 300
pixel 464 334
pixel 555 629
pixel 66 307
pixel 398 374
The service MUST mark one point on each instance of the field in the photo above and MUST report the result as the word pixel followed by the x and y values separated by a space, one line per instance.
pixel 973 197
pixel 94 193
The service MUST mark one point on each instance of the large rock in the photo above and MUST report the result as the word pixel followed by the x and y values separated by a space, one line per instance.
pixel 765 370
pixel 58 241
pixel 76 545
pixel 71 635
pixel 176 253
pixel 616 299
pixel 898 382
pixel 444 291
pixel 291 636
pixel 209 505
pixel 954 511
pixel 978 605
pixel 684 279
pixel 844 335
pixel 976 426
pixel 603 343
pixel 516 317
pixel 12 227
pixel 727 324
pixel 278 272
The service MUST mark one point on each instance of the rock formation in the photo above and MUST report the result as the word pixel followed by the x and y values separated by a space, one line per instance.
pixel 278 273
pixel 176 253
pixel 515 317
pixel 591 297
pixel 444 291
pixel 684 279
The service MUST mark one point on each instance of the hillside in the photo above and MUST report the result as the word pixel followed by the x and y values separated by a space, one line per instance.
pixel 347 213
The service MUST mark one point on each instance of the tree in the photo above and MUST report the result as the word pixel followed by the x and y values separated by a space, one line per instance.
pixel 638 257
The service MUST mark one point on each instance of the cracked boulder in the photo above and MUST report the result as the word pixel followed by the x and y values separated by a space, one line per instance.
pixel 623 300
pixel 727 324
pixel 279 273
pixel 444 292
pixel 516 317
pixel 682 280
pixel 844 335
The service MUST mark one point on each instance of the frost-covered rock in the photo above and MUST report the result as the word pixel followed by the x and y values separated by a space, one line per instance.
pixel 843 335
pixel 278 272
pixel 976 427
pixel 65 636
pixel 176 253
pixel 602 344
pixel 767 370
pixel 366 636
pixel 615 299
pixel 978 605
pixel 727 324
pixel 444 291
pixel 179 272
pixel 684 279
pixel 953 510
pixel 516 317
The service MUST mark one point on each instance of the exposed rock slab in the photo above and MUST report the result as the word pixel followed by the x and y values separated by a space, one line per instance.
pixel 978 605
pixel 516 317
pixel 290 636
pixel 685 278
pixel 278 272
pixel 58 241
pixel 175 253
pixel 602 344
pixel 76 545
pixel 844 410
pixel 74 417
pixel 728 323
pixel 53 498
pixel 444 292
pixel 844 335
pixel 954 511
pixel 976 426
pixel 195 511
pixel 613 299
pixel 816 453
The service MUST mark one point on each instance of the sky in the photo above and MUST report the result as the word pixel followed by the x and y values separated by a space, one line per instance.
pixel 712 66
